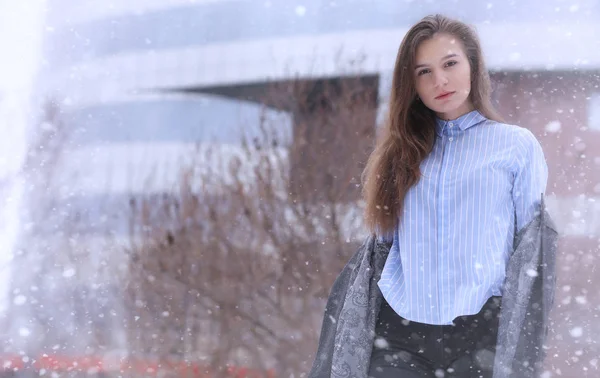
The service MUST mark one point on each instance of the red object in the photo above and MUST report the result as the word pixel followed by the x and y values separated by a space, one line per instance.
pixel 149 368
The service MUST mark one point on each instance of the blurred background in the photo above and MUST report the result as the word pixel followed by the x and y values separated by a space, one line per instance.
pixel 180 178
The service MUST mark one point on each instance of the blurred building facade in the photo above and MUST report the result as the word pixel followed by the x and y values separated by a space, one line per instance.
pixel 141 81
pixel 160 74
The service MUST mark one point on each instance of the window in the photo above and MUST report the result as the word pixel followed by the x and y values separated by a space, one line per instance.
pixel 187 119
pixel 593 112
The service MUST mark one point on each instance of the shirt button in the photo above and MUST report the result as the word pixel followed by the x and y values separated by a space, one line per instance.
pixel 451 124
pixel 450 139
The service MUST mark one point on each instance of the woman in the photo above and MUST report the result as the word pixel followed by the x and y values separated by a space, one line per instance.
pixel 449 185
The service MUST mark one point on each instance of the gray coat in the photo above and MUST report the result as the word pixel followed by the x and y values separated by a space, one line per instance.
pixel 348 328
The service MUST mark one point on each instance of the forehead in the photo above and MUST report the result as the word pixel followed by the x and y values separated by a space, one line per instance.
pixel 437 47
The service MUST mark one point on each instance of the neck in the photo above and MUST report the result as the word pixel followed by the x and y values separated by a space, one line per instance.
pixel 456 113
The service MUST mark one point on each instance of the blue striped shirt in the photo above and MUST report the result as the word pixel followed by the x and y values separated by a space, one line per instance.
pixel 480 183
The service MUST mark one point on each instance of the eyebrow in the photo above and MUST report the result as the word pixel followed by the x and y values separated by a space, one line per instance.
pixel 444 58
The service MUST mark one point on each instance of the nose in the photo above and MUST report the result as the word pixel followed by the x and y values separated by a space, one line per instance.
pixel 440 78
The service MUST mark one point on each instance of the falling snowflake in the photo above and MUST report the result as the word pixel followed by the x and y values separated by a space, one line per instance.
pixel 20 300
pixel 68 273
pixel 24 332
pixel 576 332
pixel 381 343
pixel 532 272
pixel 553 127
pixel 300 10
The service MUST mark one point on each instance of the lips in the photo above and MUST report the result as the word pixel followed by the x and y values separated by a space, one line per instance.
pixel 444 95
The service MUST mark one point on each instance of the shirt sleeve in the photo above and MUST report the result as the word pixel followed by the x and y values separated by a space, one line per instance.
pixel 530 180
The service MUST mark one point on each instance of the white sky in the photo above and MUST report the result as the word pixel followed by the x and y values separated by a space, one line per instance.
pixel 20 32
pixel 20 23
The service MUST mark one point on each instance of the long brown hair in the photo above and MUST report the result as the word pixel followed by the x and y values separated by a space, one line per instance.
pixel 409 133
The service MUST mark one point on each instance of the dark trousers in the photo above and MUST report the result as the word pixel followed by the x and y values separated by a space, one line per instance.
pixel 409 349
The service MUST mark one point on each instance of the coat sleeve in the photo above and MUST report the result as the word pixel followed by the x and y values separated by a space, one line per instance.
pixel 527 301
pixel 321 367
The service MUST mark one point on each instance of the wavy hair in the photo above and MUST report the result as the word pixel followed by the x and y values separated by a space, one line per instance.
pixel 408 135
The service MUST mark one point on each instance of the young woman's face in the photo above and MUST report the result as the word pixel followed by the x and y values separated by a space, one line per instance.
pixel 443 76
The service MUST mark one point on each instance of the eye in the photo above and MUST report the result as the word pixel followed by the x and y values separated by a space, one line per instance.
pixel 423 72
pixel 451 63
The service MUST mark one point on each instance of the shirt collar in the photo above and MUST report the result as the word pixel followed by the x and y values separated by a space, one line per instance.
pixel 463 122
